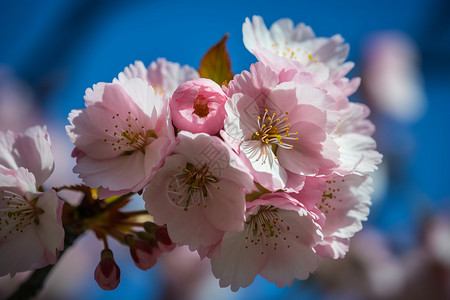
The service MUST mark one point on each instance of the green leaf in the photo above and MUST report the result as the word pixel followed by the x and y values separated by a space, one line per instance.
pixel 216 63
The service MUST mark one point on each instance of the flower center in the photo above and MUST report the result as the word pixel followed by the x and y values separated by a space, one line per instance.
pixel 331 197
pixel 201 108
pixel 16 213
pixel 294 51
pixel 191 187
pixel 128 134
pixel 273 131
pixel 265 229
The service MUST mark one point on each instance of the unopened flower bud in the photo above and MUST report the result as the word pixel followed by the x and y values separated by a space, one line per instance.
pixel 165 244
pixel 107 273
pixel 198 106
pixel 144 254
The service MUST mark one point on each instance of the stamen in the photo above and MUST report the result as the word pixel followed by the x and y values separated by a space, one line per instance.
pixel 272 131
pixel 191 187
pixel 16 213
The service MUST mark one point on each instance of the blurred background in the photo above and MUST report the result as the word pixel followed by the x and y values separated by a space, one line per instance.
pixel 51 51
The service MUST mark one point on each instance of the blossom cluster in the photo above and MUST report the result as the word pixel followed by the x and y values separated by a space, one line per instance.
pixel 263 173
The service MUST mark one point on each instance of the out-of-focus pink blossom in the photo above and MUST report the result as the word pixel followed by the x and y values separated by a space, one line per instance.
pixel 186 275
pixel 17 111
pixel 198 106
pixel 30 150
pixel 437 240
pixel 107 273
pixel 392 77
pixel 30 231
pixel 369 271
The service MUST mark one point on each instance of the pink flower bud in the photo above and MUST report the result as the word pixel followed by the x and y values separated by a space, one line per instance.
pixel 198 106
pixel 107 273
pixel 144 254
pixel 165 244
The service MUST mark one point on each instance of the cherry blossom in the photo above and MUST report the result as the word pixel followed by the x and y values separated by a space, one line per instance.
pixel 198 106
pixel 277 242
pixel 164 76
pixel 345 203
pixel 30 150
pixel 199 192
pixel 121 137
pixel 352 134
pixel 284 46
pixel 279 129
pixel 30 231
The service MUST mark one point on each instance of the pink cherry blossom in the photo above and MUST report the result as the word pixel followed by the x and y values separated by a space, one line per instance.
pixel 279 129
pixel 352 134
pixel 277 243
pixel 286 47
pixel 30 150
pixel 198 106
pixel 199 192
pixel 345 203
pixel 163 75
pixel 121 137
pixel 30 231
pixel 107 272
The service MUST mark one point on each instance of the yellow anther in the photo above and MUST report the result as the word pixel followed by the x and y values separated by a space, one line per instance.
pixel 310 56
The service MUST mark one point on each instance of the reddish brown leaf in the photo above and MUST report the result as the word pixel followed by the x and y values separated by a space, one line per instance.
pixel 216 63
